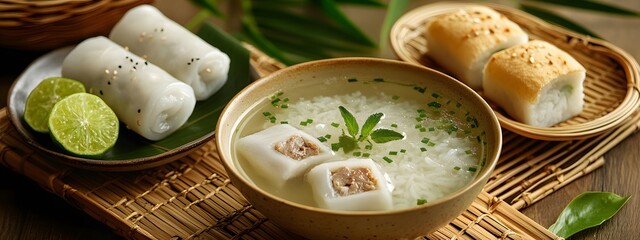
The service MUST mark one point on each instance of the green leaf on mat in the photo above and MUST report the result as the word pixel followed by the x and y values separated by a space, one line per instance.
pixel 557 19
pixel 592 6
pixel 347 143
pixel 587 210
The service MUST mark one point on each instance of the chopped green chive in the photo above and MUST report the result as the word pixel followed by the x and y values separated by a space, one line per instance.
pixel 456 168
pixel 352 80
pixel 434 104
pixel 266 114
pixel 403 150
pixel 387 159
pixel 458 104
pixel 395 97
pixel 420 89
pixel 335 146
pixel 394 125
pixel 322 139
pixel 303 123
pixel 285 100
pixel 417 126
pixel 368 147
pixel 431 129
pixel 423 149
pixel 335 124
pixel 279 94
pixel 431 144
pixel 421 201
pixel 468 152
pixel 284 105
pixel 472 169
pixel 378 79
pixel 284 122
pixel 275 102
pixel 419 119
pixel 425 140
pixel 423 129
pixel 366 154
pixel 328 136
pixel 435 95
pixel 393 153
pixel 357 154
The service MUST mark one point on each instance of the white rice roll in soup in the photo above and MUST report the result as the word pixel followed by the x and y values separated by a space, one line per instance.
pixel 147 99
pixel 536 83
pixel 462 41
pixel 145 31
pixel 352 185
pixel 283 152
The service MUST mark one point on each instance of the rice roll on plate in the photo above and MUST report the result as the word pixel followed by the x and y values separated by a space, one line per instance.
pixel 146 32
pixel 462 41
pixel 282 152
pixel 147 99
pixel 535 83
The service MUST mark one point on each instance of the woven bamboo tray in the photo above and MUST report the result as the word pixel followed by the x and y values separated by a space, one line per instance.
pixel 193 198
pixel 612 88
pixel 43 25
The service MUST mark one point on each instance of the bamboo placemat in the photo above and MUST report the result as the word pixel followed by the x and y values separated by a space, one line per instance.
pixel 192 198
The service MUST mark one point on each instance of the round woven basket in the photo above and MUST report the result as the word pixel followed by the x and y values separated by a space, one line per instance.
pixel 48 24
pixel 611 88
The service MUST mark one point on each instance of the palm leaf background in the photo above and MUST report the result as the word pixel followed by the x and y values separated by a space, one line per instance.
pixel 294 31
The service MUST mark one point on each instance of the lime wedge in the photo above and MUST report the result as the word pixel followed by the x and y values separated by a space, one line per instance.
pixel 84 125
pixel 42 98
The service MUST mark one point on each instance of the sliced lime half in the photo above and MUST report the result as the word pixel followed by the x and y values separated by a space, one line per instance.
pixel 84 125
pixel 42 98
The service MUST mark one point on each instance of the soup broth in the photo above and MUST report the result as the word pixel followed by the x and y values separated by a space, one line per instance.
pixel 441 151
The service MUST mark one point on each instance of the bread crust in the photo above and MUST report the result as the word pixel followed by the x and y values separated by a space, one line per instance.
pixel 525 69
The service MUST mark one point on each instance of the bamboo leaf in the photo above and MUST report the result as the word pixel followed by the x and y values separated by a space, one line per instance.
pixel 349 121
pixel 371 3
pixel 310 31
pixel 369 124
pixel 331 9
pixel 394 11
pixel 587 210
pixel 209 5
pixel 557 19
pixel 251 29
pixel 382 135
pixel 592 6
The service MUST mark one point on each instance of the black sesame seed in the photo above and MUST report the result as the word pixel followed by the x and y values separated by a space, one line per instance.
pixel 192 60
pixel 146 63
pixel 139 110
pixel 198 59
pixel 131 60
pixel 119 66
pixel 101 92
pixel 109 82
pixel 188 63
pixel 134 67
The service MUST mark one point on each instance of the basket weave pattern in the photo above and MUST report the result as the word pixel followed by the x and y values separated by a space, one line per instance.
pixel 43 25
pixel 611 87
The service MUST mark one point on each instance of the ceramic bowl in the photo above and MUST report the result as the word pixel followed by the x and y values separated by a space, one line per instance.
pixel 320 78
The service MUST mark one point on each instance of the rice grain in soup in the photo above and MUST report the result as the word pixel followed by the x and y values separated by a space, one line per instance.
pixel 441 152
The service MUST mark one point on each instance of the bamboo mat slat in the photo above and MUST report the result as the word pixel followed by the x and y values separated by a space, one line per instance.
pixel 193 198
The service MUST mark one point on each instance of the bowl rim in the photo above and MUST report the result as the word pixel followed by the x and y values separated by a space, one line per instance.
pixel 492 159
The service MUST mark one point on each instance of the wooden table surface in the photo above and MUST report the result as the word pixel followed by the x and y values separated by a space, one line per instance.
pixel 29 212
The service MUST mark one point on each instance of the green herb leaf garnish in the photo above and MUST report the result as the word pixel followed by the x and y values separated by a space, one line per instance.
pixel 349 121
pixel 382 135
pixel 369 124
pixel 347 143
pixel 421 201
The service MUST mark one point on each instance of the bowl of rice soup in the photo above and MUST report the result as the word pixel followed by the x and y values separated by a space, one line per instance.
pixel 358 148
